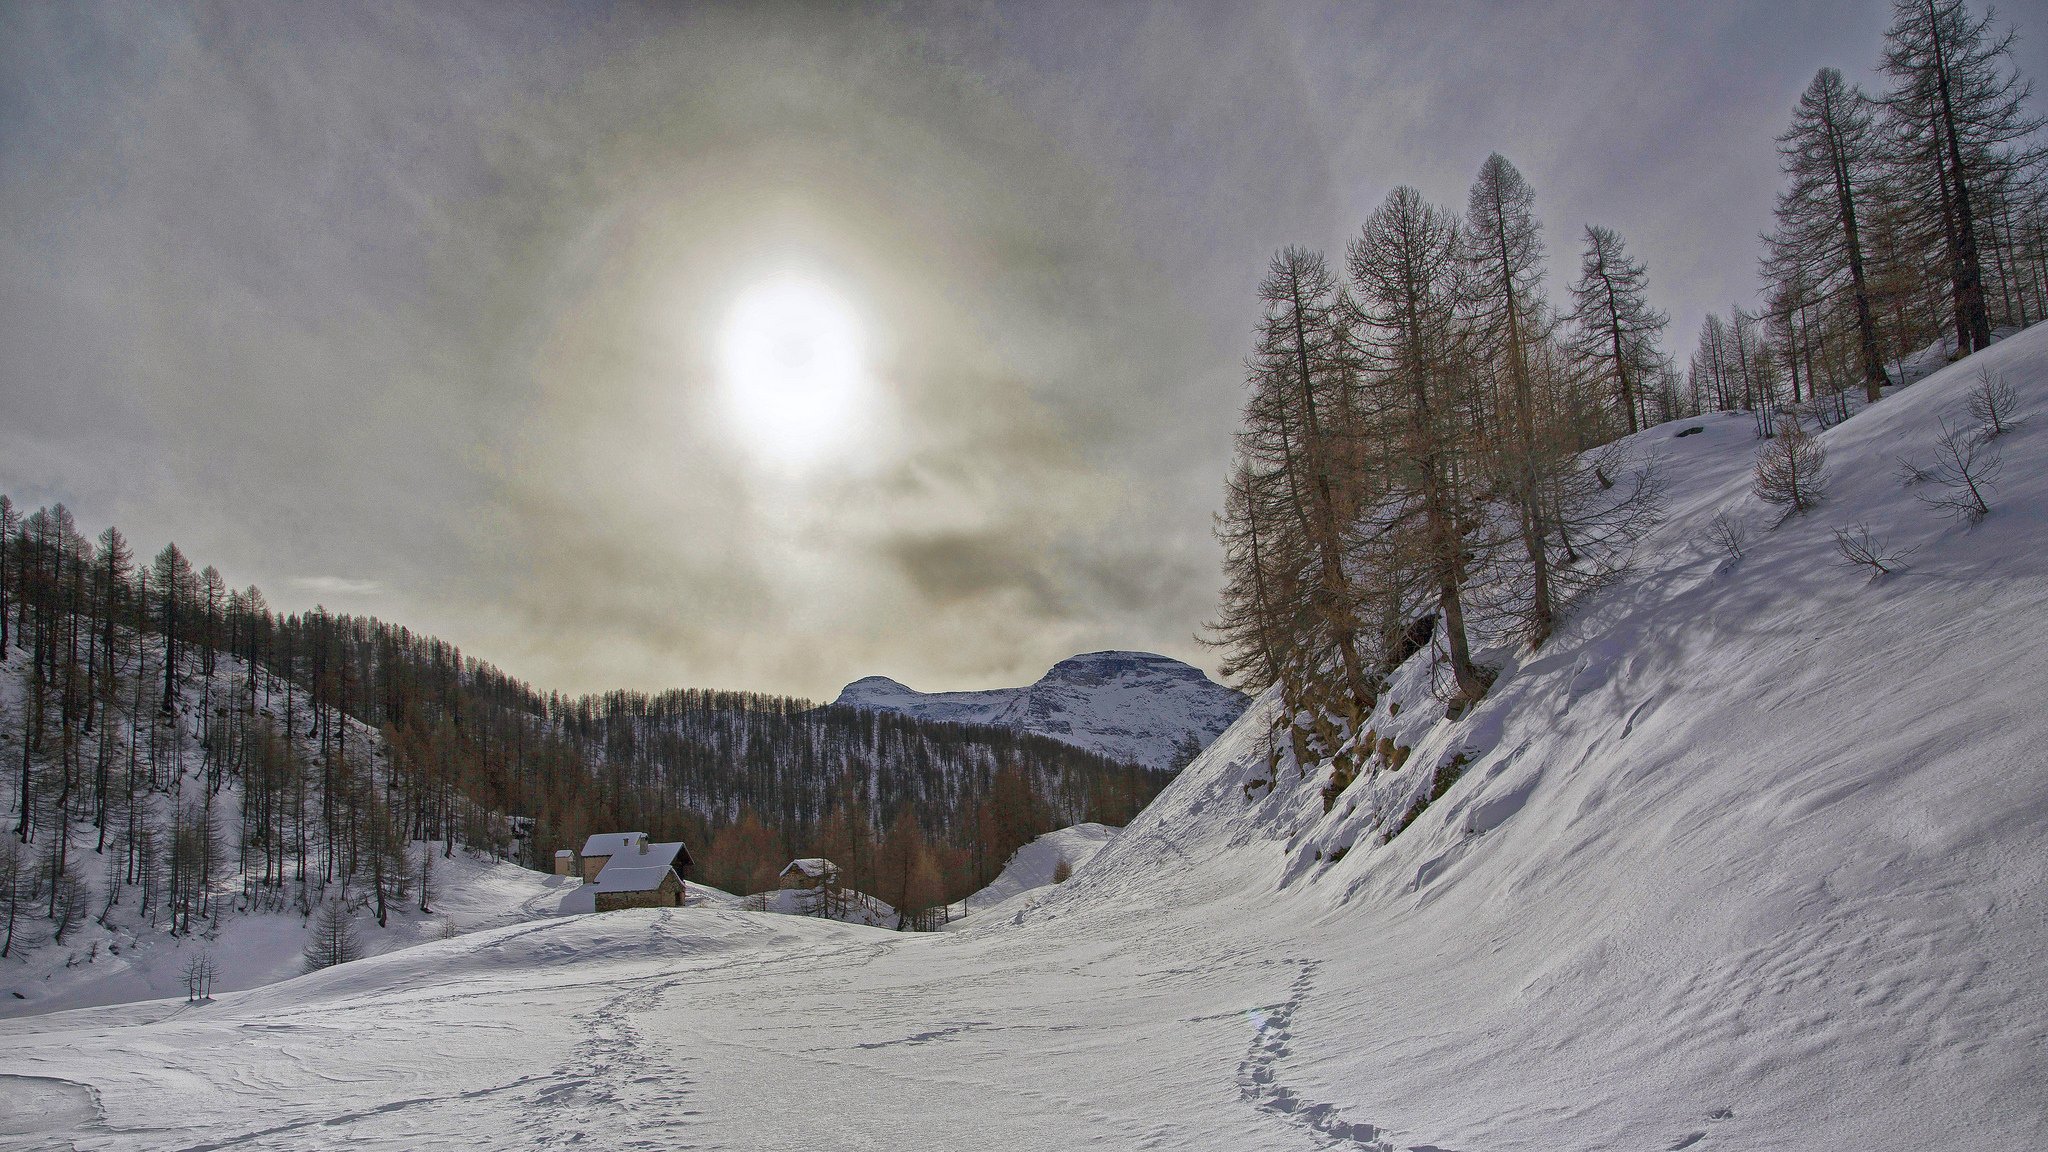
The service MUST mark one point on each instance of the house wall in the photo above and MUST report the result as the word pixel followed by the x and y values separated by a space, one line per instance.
pixel 669 895
pixel 592 865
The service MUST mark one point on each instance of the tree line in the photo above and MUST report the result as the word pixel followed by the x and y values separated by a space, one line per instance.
pixel 188 746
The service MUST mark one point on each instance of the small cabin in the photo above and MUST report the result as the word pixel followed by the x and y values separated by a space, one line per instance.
pixel 641 875
pixel 565 862
pixel 811 872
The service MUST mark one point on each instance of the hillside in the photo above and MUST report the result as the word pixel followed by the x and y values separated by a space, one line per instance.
pixel 1133 707
pixel 1751 855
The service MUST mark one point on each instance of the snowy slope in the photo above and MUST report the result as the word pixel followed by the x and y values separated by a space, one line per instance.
pixel 1031 867
pixel 1751 856
pixel 119 953
pixel 1131 706
pixel 123 960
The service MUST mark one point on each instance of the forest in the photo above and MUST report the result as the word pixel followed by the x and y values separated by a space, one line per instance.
pixel 1433 449
pixel 190 746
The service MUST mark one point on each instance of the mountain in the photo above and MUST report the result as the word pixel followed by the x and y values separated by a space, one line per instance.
pixel 1751 854
pixel 1136 707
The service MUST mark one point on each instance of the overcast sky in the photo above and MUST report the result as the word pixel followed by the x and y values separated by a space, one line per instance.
pixel 419 312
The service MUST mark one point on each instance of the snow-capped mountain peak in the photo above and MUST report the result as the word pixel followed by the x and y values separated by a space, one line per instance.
pixel 1138 707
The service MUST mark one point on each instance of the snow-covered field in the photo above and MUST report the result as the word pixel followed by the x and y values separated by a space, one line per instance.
pixel 1753 855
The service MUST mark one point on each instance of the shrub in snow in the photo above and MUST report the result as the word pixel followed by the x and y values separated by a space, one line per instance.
pixel 1728 535
pixel 1061 871
pixel 1858 546
pixel 1791 471
pixel 1965 465
pixel 1993 403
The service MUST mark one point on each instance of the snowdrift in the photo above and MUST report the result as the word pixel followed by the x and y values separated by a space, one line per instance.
pixel 1752 855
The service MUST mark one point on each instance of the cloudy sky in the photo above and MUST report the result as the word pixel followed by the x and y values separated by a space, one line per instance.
pixel 454 314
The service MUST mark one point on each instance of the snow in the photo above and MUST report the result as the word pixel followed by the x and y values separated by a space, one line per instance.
pixel 612 843
pixel 1031 867
pixel 1136 707
pixel 1752 855
pixel 619 879
pixel 101 965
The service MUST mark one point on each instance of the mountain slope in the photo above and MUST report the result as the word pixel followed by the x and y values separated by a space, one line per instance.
pixel 1136 707
pixel 1752 855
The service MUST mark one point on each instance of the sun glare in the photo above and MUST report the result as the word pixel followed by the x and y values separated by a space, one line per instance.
pixel 794 364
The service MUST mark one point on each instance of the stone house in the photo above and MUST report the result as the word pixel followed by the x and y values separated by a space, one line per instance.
pixel 646 875
pixel 810 872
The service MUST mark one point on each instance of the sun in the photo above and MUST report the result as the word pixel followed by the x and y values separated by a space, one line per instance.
pixel 794 366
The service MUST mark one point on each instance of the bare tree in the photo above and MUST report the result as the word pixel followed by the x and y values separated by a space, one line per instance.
pixel 1728 535
pixel 1959 130
pixel 1966 466
pixel 334 936
pixel 1994 403
pixel 1617 329
pixel 1859 546
pixel 1791 470
pixel 1406 267
pixel 1828 154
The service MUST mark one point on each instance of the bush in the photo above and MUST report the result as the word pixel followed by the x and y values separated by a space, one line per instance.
pixel 1791 471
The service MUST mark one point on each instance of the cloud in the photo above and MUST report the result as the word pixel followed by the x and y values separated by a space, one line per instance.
pixel 336 586
pixel 428 295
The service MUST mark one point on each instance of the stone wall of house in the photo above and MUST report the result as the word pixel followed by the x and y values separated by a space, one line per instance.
pixel 669 895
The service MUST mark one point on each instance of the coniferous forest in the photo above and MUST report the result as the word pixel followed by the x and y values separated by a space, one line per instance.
pixel 181 739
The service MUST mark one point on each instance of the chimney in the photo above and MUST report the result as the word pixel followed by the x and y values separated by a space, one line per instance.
pixel 643 845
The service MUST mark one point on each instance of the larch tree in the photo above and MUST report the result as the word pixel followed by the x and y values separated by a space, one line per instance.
pixel 1407 276
pixel 1616 330
pixel 1827 155
pixel 1303 376
pixel 1959 129
pixel 1504 257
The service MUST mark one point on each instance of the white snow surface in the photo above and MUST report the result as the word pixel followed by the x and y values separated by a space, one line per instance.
pixel 1031 867
pixel 1136 707
pixel 1751 855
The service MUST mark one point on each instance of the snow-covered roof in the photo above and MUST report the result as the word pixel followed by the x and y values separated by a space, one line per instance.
pixel 622 877
pixel 611 843
pixel 656 856
pixel 563 852
pixel 812 866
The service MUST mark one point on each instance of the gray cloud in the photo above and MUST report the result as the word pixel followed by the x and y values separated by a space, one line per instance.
pixel 428 296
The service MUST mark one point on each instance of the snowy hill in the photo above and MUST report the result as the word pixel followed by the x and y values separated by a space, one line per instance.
pixel 1753 854
pixel 1033 866
pixel 1132 706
